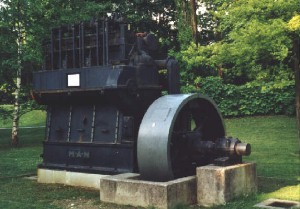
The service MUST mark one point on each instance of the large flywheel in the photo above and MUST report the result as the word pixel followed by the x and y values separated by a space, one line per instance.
pixel 171 128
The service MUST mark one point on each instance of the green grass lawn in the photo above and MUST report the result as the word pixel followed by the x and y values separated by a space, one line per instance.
pixel 275 149
pixel 274 142
pixel 33 118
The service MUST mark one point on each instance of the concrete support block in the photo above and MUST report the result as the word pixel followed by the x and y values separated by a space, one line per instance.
pixel 51 176
pixel 217 185
pixel 127 189
pixel 69 178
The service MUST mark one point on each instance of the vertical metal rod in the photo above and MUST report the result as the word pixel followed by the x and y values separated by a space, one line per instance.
pixel 59 48
pixel 122 40
pixel 106 40
pixel 117 127
pixel 82 39
pixel 97 43
pixel 48 123
pixel 69 124
pixel 52 50
pixel 44 65
pixel 103 43
pixel 93 123
pixel 73 47
pixel 80 46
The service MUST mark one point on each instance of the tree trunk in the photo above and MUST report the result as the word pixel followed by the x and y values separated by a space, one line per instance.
pixel 194 24
pixel 184 10
pixel 16 112
pixel 297 80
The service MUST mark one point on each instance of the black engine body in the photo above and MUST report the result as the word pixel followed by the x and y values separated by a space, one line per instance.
pixel 97 81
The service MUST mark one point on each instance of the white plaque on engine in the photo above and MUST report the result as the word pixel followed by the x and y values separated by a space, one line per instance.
pixel 74 80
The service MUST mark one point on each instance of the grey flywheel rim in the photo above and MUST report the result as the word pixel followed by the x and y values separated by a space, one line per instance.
pixel 155 154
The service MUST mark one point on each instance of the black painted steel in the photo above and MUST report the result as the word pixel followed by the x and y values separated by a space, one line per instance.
pixel 98 81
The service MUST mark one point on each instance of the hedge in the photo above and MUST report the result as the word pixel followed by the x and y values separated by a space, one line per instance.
pixel 250 99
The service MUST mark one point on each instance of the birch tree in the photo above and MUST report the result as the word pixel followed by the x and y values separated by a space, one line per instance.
pixel 13 21
pixel 16 112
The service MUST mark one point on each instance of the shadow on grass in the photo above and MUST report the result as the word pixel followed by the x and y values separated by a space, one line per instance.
pixel 27 138
pixel 285 189
pixel 22 193
pixel 268 185
pixel 24 159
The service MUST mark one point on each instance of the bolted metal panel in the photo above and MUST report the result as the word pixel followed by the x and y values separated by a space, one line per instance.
pixel 106 124
pixel 58 122
pixel 127 128
pixel 81 123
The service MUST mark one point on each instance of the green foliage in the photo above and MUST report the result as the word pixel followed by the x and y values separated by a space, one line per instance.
pixel 251 37
pixel 182 22
pixel 294 24
pixel 154 17
pixel 254 98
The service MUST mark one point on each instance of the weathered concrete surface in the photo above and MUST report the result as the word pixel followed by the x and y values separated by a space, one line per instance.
pixel 217 185
pixel 69 178
pixel 127 189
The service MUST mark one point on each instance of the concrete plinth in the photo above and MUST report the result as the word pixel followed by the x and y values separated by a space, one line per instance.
pixel 217 185
pixel 127 189
pixel 69 178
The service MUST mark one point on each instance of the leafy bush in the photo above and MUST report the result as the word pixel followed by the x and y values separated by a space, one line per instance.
pixel 253 98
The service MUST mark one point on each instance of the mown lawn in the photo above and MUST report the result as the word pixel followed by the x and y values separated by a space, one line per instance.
pixel 274 142
pixel 275 149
